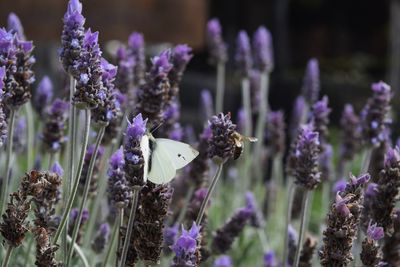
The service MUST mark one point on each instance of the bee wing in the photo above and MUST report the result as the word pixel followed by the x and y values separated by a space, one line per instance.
pixel 250 139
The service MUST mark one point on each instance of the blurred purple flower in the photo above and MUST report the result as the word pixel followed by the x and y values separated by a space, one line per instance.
pixel 223 261
pixel 263 50
pixel 216 46
pixel 243 56
pixel 311 82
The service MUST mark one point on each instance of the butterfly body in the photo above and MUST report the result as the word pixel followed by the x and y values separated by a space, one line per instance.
pixel 163 157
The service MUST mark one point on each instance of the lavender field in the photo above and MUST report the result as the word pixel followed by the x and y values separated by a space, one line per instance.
pixel 104 164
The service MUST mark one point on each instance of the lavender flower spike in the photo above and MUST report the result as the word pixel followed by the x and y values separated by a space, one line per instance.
pixel 223 261
pixel 43 95
pixel 186 247
pixel 370 253
pixel 15 26
pixel 269 259
pixel 311 83
pixel 217 47
pixel 2 76
pixel 180 57
pixel 72 38
pixel 306 159
pixel 3 127
pixel 100 241
pixel 263 50
pixel 136 52
pixel 350 124
pixel 57 168
pixel 320 118
pixel 243 57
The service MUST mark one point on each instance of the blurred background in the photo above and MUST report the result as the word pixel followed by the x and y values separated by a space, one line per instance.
pixel 357 42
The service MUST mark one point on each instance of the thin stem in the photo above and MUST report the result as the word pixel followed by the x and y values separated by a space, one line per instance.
pixel 124 123
pixel 30 133
pixel 76 180
pixel 121 225
pixel 277 170
pixel 7 257
pixel 80 253
pixel 128 235
pixel 261 120
pixel 111 246
pixel 366 158
pixel 287 222
pixel 246 98
pixel 28 252
pixel 304 214
pixel 95 206
pixel 188 197
pixel 209 192
pixel 51 160
pixel 219 101
pixel 9 151
pixel 85 190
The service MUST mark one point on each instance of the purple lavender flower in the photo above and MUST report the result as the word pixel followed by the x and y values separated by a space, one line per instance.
pixel 3 127
pixel 170 235
pixel 216 45
pixel 339 186
pixel 136 48
pixel 53 131
pixel 186 247
pixel 2 76
pixel 306 158
pixel 269 259
pixel 133 156
pixel 43 95
pixel 243 57
pixel 375 232
pixel 255 90
pixel 15 26
pixel 107 110
pixel 374 116
pixel 221 144
pixel 73 216
pixel 89 85
pixel 256 219
pixel 125 77
pixel 311 83
pixel 263 50
pixel 96 169
pixel 100 241
pixel 370 253
pixel 325 162
pixel 152 96
pixel 180 58
pixel 299 109
pixel 223 261
pixel 275 133
pixel 320 118
pixel 72 38
pixel 350 123
pixel 19 140
pixel 57 168
pixel 119 191
pixel 224 236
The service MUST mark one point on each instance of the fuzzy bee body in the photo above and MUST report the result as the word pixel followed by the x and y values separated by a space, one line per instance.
pixel 239 143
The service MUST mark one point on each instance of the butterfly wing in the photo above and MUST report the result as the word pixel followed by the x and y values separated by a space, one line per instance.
pixel 162 169
pixel 179 153
pixel 144 146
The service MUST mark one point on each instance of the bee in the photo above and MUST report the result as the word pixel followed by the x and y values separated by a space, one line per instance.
pixel 239 144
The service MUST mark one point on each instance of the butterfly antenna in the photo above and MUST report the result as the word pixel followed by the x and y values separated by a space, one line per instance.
pixel 157 127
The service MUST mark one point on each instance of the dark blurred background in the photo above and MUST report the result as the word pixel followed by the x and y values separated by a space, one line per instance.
pixel 357 42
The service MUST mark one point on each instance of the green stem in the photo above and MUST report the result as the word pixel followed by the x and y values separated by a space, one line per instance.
pixel 80 253
pixel 129 230
pixel 304 214
pixel 86 190
pixel 76 180
pixel 28 252
pixel 95 206
pixel 219 100
pixel 111 246
pixel 209 193
pixel 30 134
pixel 6 180
pixel 182 212
pixel 51 159
pixel 246 98
pixel 287 222
pixel 7 257
pixel 277 170
pixel 121 225
pixel 366 158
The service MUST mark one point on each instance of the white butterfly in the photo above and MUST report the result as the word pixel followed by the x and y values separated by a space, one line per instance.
pixel 162 157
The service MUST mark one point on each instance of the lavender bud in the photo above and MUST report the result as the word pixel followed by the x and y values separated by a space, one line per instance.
pixel 119 191
pixel 224 236
pixel 43 95
pixel 216 45
pixel 133 157
pixel 89 87
pixel 186 247
pixel 15 26
pixel 243 58
pixel 351 134
pixel 275 133
pixel 3 127
pixel 56 168
pixel 311 83
pixel 320 118
pixel 339 186
pixel 53 131
pixel 125 77
pixel 325 163
pixel 221 143
pixel 100 241
pixel 207 103
pixel 306 159
pixel 72 38
pixel 342 224
pixel 136 48
pixel 263 50
pixel 19 143
pixel 152 96
pixel 170 236
pixel 223 261
pixel 374 232
pixel 180 58
pixel 256 219
pixel 299 109
pixel 374 114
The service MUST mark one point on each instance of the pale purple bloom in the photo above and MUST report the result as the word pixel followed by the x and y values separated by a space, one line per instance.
pixel 375 232
pixel 243 57
pixel 135 51
pixel 43 94
pixel 341 205
pixel 223 261
pixel 372 190
pixel 186 246
pixel 56 168
pixel 311 82
pixel 136 129
pixel 170 235
pixel 339 186
pixel 269 259
pixel 392 157
pixel 360 180
pixel 216 46
pixel 15 26
pixel 263 50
